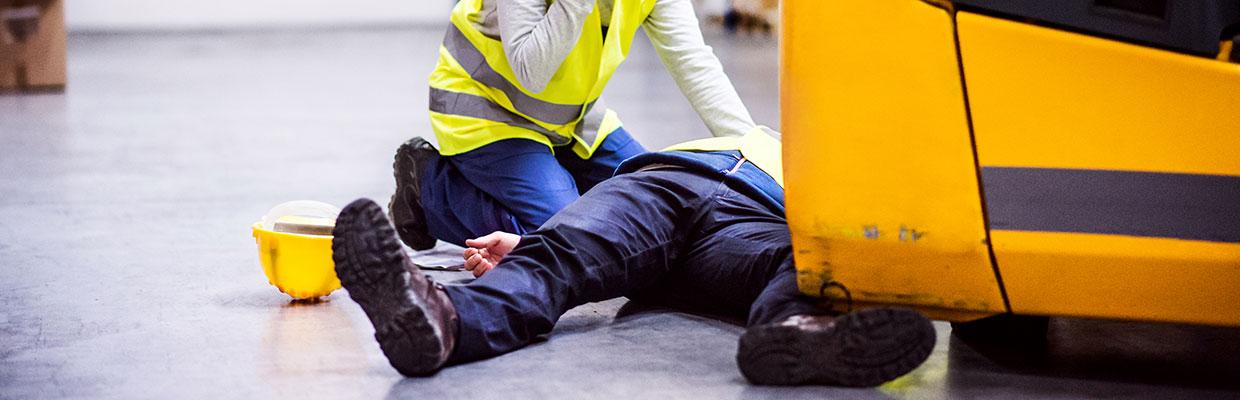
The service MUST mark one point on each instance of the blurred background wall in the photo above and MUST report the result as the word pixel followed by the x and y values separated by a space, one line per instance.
pixel 196 15
pixel 220 15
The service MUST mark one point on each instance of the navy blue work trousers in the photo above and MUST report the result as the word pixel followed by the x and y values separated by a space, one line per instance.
pixel 670 236
pixel 513 185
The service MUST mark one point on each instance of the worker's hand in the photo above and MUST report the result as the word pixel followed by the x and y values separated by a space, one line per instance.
pixel 485 252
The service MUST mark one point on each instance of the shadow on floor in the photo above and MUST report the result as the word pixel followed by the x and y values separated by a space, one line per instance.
pixel 1080 353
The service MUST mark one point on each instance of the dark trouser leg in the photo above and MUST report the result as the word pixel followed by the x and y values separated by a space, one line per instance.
pixel 739 263
pixel 781 298
pixel 511 185
pixel 457 210
pixel 619 238
pixel 617 147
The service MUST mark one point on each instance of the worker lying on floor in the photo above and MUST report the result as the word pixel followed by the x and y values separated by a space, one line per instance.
pixel 700 227
pixel 515 105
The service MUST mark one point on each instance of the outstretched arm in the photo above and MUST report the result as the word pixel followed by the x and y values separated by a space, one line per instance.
pixel 486 252
pixel 538 37
pixel 673 29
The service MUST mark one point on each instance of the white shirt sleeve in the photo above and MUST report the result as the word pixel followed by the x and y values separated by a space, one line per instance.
pixel 538 37
pixel 677 38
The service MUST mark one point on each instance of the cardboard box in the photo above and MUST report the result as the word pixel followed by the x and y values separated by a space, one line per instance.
pixel 32 45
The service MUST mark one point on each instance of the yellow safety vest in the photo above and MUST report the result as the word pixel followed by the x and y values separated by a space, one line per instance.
pixel 476 99
pixel 759 146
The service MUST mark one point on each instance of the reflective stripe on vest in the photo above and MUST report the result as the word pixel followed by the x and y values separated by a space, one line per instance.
pixel 474 90
pixel 476 65
pixel 445 102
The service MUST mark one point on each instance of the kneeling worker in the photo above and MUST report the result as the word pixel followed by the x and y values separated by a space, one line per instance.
pixel 515 103
pixel 700 226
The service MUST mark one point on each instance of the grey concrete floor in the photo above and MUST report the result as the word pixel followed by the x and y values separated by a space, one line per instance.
pixel 127 269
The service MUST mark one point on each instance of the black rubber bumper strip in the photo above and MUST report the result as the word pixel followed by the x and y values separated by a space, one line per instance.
pixel 1146 204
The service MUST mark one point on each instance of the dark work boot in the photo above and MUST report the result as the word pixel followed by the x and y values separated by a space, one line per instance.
pixel 415 322
pixel 412 158
pixel 860 349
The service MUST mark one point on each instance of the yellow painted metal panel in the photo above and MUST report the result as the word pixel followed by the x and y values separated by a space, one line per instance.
pixel 1047 98
pixel 1044 98
pixel 882 191
pixel 1120 276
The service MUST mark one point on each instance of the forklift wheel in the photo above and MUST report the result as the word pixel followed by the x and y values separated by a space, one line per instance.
pixel 1007 330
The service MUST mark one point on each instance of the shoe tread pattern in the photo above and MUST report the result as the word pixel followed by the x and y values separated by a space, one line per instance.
pixel 370 264
pixel 406 205
pixel 865 348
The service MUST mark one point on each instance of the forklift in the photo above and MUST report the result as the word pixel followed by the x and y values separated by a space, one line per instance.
pixel 1011 160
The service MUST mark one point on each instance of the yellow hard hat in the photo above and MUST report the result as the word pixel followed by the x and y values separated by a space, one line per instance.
pixel 295 248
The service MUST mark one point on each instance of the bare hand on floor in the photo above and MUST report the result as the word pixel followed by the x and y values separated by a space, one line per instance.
pixel 485 252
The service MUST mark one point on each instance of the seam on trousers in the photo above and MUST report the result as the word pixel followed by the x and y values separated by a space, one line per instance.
pixel 739 163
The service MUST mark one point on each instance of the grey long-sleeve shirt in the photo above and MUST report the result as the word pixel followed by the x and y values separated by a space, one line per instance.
pixel 538 37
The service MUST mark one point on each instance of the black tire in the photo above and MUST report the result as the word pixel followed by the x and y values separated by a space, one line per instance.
pixel 1006 330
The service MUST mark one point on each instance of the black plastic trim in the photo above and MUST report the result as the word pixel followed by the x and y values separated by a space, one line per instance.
pixel 1186 26
pixel 1235 49
pixel 1130 203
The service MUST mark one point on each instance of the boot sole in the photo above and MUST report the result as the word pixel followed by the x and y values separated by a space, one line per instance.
pixel 403 165
pixel 370 265
pixel 865 348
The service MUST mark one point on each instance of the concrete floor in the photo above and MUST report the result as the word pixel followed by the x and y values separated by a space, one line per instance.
pixel 127 269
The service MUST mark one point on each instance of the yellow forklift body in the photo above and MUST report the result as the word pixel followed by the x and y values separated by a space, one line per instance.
pixel 909 127
pixel 882 193
pixel 1057 104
